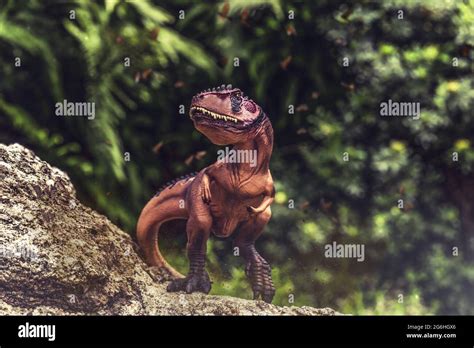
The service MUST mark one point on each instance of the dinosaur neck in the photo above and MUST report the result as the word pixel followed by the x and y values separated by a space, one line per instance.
pixel 260 145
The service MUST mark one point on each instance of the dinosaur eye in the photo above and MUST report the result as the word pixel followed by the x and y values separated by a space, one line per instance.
pixel 250 106
pixel 236 101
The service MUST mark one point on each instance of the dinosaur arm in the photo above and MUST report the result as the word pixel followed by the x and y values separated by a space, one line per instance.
pixel 206 188
pixel 269 196
pixel 261 208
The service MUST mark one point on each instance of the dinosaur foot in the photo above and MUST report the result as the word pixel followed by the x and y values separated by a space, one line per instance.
pixel 260 274
pixel 199 282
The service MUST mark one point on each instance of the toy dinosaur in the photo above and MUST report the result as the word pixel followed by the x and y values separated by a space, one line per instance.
pixel 224 198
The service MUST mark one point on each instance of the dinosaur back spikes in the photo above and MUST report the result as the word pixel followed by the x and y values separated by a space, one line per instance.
pixel 221 88
pixel 171 183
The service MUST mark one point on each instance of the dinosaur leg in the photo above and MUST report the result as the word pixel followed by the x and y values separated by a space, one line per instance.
pixel 198 229
pixel 258 270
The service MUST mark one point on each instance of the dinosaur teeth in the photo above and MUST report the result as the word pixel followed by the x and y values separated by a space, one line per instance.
pixel 214 115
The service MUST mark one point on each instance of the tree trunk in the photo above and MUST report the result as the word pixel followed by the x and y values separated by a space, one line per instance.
pixel 460 189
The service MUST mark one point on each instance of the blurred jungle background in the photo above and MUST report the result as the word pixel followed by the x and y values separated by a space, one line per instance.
pixel 289 57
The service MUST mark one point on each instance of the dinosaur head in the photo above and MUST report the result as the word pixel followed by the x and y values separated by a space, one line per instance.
pixel 224 115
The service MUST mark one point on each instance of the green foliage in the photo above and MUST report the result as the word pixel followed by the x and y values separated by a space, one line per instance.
pixel 383 303
pixel 425 57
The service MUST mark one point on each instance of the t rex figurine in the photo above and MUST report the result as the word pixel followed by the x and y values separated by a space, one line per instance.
pixel 223 198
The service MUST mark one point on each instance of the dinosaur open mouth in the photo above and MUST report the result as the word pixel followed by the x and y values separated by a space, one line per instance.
pixel 197 112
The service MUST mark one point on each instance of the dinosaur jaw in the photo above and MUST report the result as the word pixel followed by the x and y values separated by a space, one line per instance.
pixel 198 112
pixel 201 115
pixel 220 129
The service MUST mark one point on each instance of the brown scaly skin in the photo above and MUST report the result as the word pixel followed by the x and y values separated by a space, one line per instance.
pixel 224 198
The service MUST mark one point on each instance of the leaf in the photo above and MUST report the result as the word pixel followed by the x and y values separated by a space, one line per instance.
pixel 302 108
pixel 137 77
pixel 179 84
pixel 285 62
pixel 244 15
pixel 36 46
pixel 348 86
pixel 152 12
pixel 301 131
pixel 290 30
pixel 154 33
pixel 200 155
pixel 325 205
pixel 146 73
pixel 225 10
pixel 158 147
pixel 173 45
pixel 189 160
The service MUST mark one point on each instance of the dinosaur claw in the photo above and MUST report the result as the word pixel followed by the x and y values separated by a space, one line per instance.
pixel 206 287
pixel 189 288
pixel 260 275
pixel 176 285
pixel 206 190
pixel 206 195
pixel 192 283
pixel 268 297
pixel 269 291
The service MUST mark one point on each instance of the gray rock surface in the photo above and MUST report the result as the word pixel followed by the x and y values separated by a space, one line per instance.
pixel 59 257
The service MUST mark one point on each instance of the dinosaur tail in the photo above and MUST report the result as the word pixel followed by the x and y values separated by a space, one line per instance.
pixel 157 211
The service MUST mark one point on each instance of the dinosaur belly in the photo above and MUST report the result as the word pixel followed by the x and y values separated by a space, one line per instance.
pixel 226 217
pixel 228 211
pixel 224 227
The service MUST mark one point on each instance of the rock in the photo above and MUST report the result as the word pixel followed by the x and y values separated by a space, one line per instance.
pixel 60 257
